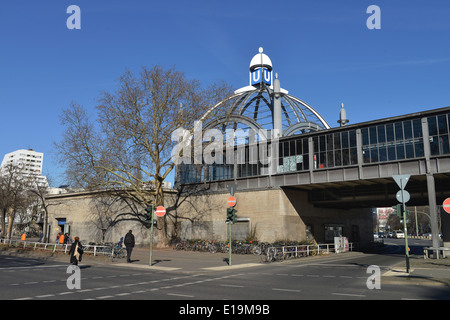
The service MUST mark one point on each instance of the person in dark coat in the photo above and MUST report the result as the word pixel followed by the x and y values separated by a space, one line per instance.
pixel 76 252
pixel 129 244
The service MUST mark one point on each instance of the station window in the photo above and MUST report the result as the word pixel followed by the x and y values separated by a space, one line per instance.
pixel 392 141
pixel 335 150
pixel 293 156
pixel 438 129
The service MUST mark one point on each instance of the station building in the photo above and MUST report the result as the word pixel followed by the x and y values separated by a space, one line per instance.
pixel 294 177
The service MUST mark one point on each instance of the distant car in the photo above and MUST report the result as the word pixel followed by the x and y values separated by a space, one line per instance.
pixel 430 236
pixel 399 234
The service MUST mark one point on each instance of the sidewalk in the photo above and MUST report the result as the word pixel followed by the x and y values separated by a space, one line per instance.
pixel 187 261
pixel 422 272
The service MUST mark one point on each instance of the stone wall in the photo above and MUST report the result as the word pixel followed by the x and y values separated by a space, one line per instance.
pixel 268 215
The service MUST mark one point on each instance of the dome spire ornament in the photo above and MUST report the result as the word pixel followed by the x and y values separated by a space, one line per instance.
pixel 343 116
pixel 261 69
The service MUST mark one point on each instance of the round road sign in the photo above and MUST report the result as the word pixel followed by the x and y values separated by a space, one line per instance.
pixel 160 211
pixel 446 205
pixel 403 194
pixel 231 201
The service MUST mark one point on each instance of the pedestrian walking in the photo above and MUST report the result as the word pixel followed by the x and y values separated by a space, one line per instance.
pixel 76 252
pixel 129 244
pixel 61 238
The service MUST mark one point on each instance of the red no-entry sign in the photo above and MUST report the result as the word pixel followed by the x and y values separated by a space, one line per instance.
pixel 231 201
pixel 446 205
pixel 160 211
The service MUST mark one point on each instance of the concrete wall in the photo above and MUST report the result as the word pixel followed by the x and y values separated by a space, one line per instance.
pixel 270 215
pixel 89 214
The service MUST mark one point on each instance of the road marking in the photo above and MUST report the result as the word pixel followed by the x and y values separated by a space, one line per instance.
pixel 237 266
pixel 144 266
pixel 180 295
pixel 34 267
pixel 85 290
pixel 348 294
pixel 123 294
pixel 287 290
pixel 231 286
pixel 141 291
pixel 45 296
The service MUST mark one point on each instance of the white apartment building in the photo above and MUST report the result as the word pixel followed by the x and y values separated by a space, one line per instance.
pixel 28 160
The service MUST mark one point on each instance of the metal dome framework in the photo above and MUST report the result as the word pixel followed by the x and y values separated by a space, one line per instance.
pixel 265 107
pixel 253 109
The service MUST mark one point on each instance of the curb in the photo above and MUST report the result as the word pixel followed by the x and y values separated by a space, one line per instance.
pixel 399 276
pixel 415 281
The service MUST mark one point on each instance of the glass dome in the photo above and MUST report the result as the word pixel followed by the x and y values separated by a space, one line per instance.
pixel 254 107
pixel 264 105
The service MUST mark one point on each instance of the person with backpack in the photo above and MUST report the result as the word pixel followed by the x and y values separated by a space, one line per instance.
pixel 129 244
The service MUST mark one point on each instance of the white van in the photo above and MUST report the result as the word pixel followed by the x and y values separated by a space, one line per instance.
pixel 399 234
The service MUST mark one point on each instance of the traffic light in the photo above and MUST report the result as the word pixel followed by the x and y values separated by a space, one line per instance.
pixel 231 215
pixel 148 213
pixel 399 211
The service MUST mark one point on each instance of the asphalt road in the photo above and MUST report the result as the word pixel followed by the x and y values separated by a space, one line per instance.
pixel 336 277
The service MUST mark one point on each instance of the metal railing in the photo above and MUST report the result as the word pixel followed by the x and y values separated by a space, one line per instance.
pixel 57 247
pixel 293 252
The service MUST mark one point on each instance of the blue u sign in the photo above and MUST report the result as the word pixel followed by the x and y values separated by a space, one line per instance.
pixel 261 75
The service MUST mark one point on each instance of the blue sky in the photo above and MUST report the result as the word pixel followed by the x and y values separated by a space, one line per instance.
pixel 322 50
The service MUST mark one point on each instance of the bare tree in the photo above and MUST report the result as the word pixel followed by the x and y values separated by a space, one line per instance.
pixel 13 199
pixel 128 146
pixel 38 192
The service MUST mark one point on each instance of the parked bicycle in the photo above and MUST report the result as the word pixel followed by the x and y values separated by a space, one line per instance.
pixel 269 252
pixel 119 252
pixel 273 254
